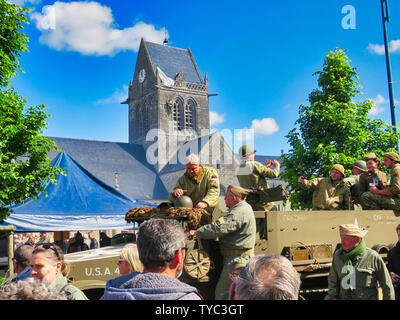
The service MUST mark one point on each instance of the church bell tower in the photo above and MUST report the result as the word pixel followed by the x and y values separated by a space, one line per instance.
pixel 167 93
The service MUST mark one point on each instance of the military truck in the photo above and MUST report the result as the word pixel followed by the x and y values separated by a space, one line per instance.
pixel 6 251
pixel 307 238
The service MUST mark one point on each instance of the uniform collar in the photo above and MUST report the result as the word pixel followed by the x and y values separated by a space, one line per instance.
pixel 58 283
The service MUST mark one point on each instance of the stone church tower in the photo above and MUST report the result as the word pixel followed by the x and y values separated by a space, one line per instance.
pixel 167 93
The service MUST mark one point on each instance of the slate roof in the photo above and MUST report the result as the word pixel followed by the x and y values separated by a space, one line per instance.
pixel 172 61
pixel 136 177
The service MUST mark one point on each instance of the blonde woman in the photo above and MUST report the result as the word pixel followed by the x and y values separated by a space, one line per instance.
pixel 129 266
pixel 48 266
pixel 129 260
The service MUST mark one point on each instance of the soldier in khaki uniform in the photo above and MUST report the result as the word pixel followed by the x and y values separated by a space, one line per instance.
pixel 373 176
pixel 353 181
pixel 329 193
pixel 200 183
pixel 389 197
pixel 236 232
pixel 356 270
pixel 252 174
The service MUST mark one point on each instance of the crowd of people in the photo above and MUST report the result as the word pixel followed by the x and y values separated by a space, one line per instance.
pixel 79 242
pixel 150 268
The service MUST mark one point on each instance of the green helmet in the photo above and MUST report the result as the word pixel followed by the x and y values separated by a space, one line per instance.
pixel 183 202
pixel 245 150
pixel 360 165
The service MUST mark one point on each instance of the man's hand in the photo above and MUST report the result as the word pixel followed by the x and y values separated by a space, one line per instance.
pixel 276 164
pixel 394 276
pixel 301 179
pixel 179 192
pixel 201 205
pixel 374 189
pixel 191 234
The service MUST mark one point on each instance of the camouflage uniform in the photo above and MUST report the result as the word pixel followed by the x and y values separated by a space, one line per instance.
pixel 373 201
pixel 368 177
pixel 327 195
pixel 252 174
pixel 352 183
pixel 369 270
pixel 237 236
pixel 202 188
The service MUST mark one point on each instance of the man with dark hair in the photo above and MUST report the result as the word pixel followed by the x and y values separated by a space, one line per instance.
pixel 268 277
pixel 21 261
pixel 236 232
pixel 162 250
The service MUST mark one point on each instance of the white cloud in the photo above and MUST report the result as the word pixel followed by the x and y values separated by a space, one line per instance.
pixel 380 104
pixel 264 127
pixel 379 49
pixel 216 118
pixel 89 28
pixel 118 96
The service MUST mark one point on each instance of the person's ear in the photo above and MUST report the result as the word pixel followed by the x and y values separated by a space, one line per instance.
pixel 59 266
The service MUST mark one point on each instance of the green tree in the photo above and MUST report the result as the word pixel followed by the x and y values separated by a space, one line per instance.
pixel 24 166
pixel 12 40
pixel 332 129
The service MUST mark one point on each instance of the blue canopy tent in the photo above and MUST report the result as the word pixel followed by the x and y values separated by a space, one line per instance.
pixel 79 201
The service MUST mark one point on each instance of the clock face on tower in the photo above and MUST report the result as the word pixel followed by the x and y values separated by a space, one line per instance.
pixel 142 75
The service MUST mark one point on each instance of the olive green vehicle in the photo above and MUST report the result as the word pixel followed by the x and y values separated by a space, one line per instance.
pixel 307 238
pixel 6 240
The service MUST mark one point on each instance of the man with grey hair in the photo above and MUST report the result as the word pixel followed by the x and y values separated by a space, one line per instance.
pixel 267 277
pixel 162 249
pixel 200 183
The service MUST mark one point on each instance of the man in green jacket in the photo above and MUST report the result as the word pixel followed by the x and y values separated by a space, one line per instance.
pixel 352 182
pixel 329 193
pixel 236 232
pixel 200 183
pixel 357 270
pixel 388 197
pixel 252 174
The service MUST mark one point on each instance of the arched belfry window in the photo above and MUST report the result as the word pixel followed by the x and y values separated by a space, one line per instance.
pixel 189 110
pixel 176 114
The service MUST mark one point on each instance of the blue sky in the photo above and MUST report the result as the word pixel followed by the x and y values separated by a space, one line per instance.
pixel 259 57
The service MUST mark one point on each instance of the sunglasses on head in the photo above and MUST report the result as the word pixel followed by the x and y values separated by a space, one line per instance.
pixel 49 246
